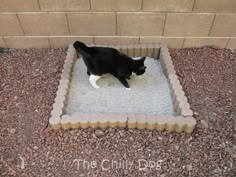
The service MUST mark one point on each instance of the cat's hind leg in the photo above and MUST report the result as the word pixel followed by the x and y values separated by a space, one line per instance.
pixel 93 79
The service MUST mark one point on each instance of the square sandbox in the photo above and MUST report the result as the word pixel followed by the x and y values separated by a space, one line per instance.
pixel 156 99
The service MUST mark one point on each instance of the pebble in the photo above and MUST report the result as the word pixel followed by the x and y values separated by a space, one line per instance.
pixel 176 147
pixel 12 130
pixel 36 147
pixel 189 167
pixel 196 114
pixel 204 124
pixel 126 172
pixel 131 138
pixel 99 133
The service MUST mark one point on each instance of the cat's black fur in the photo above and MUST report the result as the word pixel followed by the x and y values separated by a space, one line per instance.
pixel 102 60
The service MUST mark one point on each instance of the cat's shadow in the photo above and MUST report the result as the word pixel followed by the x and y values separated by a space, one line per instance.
pixel 108 80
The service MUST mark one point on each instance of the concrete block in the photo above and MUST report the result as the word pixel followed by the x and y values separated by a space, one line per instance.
pixel 2 43
pixel 26 42
pixel 19 6
pixel 232 43
pixel 74 122
pixel 114 40
pixel 187 24
pixel 92 24
pixel 168 5
pixel 151 122
pixel 44 24
pixel 190 124
pixel 55 122
pixel 199 42
pixel 224 26
pixel 145 24
pixel 64 41
pixel 172 42
pixel 10 25
pixel 215 6
pixel 64 5
pixel 65 122
pixel 114 5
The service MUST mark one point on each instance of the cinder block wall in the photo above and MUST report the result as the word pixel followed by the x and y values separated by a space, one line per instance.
pixel 56 23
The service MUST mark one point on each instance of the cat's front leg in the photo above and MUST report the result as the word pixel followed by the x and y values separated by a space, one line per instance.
pixel 88 72
pixel 93 79
pixel 124 82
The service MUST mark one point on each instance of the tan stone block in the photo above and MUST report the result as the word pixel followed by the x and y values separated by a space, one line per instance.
pixel 215 6
pixel 116 40
pixel 172 42
pixel 171 124
pixel 90 23
pixel 44 24
pixel 137 50
pixel 199 42
pixel 55 122
pixel 27 42
pixel 151 122
pixel 64 5
pixel 186 24
pixel 124 49
pixel 113 121
pixel 161 123
pixel 122 121
pixel 140 24
pixel 132 121
pixel 137 121
pixel 56 112
pixel 131 50
pixel 2 43
pixel 232 43
pixel 143 50
pixel 94 122
pixel 64 41
pixel 168 5
pixel 190 124
pixel 19 5
pixel 65 122
pixel 156 53
pixel 10 25
pixel 180 124
pixel 84 121
pixel 150 50
pixel 74 122
pixel 224 25
pixel 114 5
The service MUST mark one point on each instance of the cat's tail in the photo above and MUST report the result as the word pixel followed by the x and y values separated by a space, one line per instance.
pixel 81 48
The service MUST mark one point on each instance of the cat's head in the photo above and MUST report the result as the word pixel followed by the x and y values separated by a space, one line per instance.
pixel 138 66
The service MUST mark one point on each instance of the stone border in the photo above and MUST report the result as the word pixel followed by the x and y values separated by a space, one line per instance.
pixel 183 122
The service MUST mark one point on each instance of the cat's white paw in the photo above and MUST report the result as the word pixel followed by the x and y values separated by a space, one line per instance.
pixel 93 79
pixel 128 89
pixel 96 86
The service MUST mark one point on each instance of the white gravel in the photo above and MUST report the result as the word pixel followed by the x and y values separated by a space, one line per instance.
pixel 149 93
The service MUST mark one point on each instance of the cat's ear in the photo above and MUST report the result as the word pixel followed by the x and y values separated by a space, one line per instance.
pixel 142 59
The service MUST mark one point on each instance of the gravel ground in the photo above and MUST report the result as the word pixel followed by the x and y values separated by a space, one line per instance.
pixel 28 147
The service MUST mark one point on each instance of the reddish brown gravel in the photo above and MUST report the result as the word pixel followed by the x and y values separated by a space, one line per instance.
pixel 28 82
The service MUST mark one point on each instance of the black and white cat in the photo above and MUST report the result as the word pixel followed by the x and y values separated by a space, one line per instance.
pixel 103 60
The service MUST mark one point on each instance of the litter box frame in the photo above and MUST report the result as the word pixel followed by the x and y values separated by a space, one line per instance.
pixel 182 122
